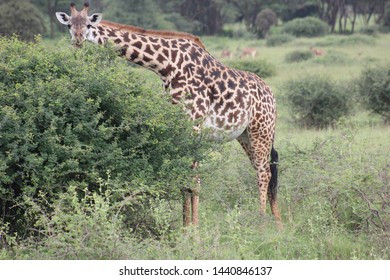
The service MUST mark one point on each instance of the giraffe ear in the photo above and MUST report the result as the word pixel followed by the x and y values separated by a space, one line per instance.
pixel 95 18
pixel 63 18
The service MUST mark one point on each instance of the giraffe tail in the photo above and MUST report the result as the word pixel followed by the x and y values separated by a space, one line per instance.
pixel 273 183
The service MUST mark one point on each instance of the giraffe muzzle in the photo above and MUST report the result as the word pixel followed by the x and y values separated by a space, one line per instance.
pixel 78 42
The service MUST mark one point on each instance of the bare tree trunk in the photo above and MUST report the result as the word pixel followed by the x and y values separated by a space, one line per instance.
pixel 329 10
pixel 381 8
pixel 370 11
pixel 354 9
pixel 51 7
pixel 341 11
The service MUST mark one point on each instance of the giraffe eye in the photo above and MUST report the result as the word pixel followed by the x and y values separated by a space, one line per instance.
pixel 89 26
pixel 69 26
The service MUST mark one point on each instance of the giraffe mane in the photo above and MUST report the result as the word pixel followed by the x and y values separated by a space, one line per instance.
pixel 158 33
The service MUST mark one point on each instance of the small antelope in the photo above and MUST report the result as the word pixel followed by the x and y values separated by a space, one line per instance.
pixel 248 52
pixel 317 52
pixel 226 54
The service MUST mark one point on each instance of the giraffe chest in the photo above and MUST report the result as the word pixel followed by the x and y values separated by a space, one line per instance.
pixel 224 120
pixel 220 130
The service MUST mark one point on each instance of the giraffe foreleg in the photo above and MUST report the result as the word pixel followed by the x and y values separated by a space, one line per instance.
pixel 191 201
pixel 186 207
pixel 195 196
pixel 195 207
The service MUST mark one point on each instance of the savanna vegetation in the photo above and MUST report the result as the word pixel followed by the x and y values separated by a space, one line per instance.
pixel 93 156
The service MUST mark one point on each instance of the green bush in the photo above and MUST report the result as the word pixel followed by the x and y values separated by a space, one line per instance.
pixel 298 56
pixel 82 117
pixel 261 68
pixel 374 90
pixel 306 27
pixel 317 101
pixel 279 39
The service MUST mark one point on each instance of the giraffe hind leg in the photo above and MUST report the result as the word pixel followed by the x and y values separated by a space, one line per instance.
pixel 272 187
pixel 272 178
pixel 262 172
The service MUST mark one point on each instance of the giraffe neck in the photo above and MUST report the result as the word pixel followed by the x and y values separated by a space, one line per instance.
pixel 164 56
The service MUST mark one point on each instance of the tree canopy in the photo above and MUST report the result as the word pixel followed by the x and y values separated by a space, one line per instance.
pixel 202 17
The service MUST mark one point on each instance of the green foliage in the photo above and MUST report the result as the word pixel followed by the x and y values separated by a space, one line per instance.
pixel 374 90
pixel 279 39
pixel 22 18
pixel 317 101
pixel 306 27
pixel 348 195
pixel 262 68
pixel 82 116
pixel 82 225
pixel 298 56
pixel 264 20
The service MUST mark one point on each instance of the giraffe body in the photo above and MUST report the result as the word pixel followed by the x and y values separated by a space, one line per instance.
pixel 233 104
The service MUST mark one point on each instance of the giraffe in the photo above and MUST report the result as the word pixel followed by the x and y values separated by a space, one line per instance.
pixel 233 104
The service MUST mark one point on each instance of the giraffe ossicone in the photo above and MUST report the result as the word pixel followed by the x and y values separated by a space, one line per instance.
pixel 233 104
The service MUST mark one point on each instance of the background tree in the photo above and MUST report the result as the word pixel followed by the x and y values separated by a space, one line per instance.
pixel 369 9
pixel 207 17
pixel 289 10
pixel 49 8
pixel 20 17
pixel 146 13
pixel 264 20
pixel 386 15
pixel 248 10
pixel 342 11
pixel 205 14
pixel 328 12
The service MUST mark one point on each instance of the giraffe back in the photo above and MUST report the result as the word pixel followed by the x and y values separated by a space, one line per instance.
pixel 150 32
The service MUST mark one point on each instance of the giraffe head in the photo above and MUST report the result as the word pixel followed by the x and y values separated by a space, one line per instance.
pixel 79 23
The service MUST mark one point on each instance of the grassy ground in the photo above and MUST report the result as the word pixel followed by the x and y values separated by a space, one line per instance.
pixel 334 183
